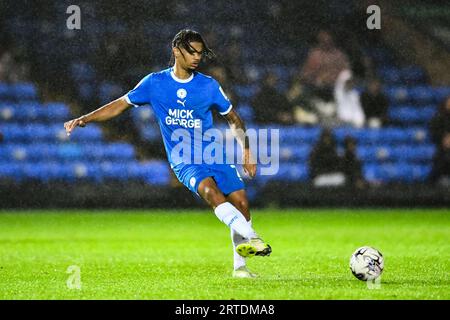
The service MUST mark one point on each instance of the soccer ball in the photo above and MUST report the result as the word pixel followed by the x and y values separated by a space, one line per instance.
pixel 366 263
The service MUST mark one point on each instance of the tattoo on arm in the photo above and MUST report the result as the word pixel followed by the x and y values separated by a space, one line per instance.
pixel 238 128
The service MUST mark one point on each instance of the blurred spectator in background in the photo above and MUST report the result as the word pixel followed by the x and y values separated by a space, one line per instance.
pixel 219 73
pixel 12 70
pixel 440 134
pixel 324 162
pixel 303 109
pixel 231 58
pixel 349 109
pixel 362 65
pixel 5 66
pixel 374 104
pixel 323 65
pixel 271 106
pixel 351 165
pixel 441 162
pixel 440 124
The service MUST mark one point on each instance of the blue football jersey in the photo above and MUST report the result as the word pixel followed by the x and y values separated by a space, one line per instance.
pixel 183 108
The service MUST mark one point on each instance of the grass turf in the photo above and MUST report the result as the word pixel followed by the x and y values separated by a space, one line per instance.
pixel 187 254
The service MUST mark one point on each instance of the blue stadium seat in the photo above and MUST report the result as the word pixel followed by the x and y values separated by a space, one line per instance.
pixel 5 92
pixel 396 172
pixel 117 151
pixel 90 133
pixel 153 172
pixel 410 115
pixel 12 170
pixel 47 171
pixel 421 94
pixel 44 151
pixel 34 111
pixel 402 153
pixel 298 134
pixel 42 132
pixel 390 75
pixel 24 112
pixel 24 91
pixel 440 93
pixel 413 74
pixel 397 94
pixel 417 94
pixel 13 132
pixel 66 152
pixel 295 152
pixel 115 170
pixel 14 152
pixel 7 112
pixel 90 171
pixel 416 135
pixel 290 171
pixel 54 111
pixel 422 153
pixel 389 135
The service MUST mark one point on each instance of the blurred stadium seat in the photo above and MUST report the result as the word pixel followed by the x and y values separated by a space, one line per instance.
pixel 36 146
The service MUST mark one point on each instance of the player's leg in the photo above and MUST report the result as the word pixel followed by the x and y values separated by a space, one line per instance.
pixel 247 248
pixel 224 210
pixel 230 183
pixel 239 200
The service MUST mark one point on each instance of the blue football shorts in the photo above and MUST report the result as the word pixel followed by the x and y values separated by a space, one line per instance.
pixel 226 176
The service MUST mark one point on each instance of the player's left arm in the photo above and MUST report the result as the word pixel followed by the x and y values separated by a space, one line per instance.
pixel 237 126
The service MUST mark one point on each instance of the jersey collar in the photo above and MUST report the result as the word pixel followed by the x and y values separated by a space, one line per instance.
pixel 174 77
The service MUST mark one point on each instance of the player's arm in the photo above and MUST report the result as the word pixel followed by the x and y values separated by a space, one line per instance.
pixel 103 113
pixel 237 126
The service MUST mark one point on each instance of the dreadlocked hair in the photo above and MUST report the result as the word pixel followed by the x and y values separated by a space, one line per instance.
pixel 182 40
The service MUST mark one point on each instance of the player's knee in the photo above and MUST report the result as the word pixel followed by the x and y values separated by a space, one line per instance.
pixel 212 194
pixel 242 204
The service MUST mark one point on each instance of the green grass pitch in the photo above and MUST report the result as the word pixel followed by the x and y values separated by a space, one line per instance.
pixel 188 255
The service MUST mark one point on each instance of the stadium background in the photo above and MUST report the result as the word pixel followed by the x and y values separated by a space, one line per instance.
pixel 51 74
pixel 103 201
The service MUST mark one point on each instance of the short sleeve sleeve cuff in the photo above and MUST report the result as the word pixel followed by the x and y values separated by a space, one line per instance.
pixel 127 98
pixel 227 111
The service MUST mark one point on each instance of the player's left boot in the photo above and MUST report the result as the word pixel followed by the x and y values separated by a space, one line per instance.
pixel 243 272
pixel 254 247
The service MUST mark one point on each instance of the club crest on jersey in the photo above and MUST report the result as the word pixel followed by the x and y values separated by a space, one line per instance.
pixel 181 93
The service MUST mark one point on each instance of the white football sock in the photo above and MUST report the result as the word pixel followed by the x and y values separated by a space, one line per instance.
pixel 233 218
pixel 238 260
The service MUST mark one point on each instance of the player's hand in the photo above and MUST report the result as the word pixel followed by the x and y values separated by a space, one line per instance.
pixel 249 164
pixel 70 125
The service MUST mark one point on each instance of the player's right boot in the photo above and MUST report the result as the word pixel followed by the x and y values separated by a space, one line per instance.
pixel 254 247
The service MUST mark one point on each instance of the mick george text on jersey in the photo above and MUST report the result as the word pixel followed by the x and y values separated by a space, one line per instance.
pixel 183 118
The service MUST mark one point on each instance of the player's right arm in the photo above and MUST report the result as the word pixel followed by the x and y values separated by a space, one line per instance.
pixel 140 95
pixel 103 113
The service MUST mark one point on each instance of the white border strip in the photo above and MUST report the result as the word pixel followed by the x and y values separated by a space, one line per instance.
pixel 227 111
